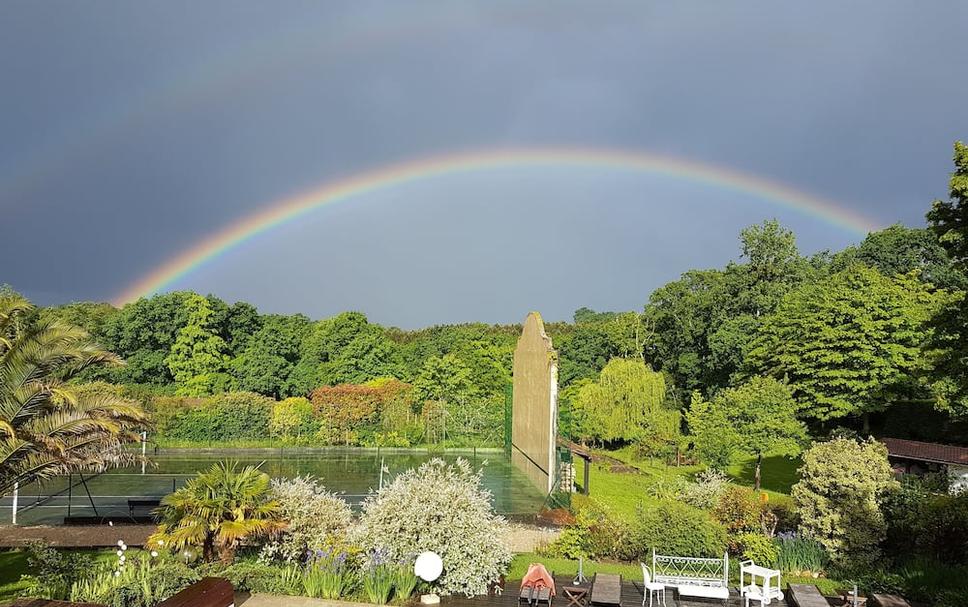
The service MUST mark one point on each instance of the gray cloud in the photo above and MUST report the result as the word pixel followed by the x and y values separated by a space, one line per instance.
pixel 132 130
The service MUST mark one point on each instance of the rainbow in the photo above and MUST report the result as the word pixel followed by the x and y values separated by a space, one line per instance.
pixel 286 210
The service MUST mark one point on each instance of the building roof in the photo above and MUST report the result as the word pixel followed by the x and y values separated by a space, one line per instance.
pixel 926 452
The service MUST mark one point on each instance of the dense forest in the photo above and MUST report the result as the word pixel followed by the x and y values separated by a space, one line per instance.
pixel 852 335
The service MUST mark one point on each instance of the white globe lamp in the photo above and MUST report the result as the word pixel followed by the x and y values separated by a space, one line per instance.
pixel 428 567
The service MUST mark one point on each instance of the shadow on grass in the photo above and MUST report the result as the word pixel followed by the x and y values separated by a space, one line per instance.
pixel 779 473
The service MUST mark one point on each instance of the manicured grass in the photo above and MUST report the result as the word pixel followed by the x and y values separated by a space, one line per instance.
pixel 13 564
pixel 519 566
pixel 779 474
pixel 623 492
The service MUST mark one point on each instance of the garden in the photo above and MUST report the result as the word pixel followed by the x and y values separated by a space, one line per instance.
pixel 737 413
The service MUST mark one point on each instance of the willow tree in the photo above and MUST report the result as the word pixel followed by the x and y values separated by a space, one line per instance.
pixel 49 424
pixel 625 404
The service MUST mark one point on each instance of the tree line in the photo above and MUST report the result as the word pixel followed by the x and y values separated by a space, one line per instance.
pixel 845 335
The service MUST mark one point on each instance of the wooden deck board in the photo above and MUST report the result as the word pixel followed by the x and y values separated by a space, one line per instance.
pixel 631 597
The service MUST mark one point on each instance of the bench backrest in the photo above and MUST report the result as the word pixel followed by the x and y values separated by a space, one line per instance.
pixel 207 592
pixel 693 570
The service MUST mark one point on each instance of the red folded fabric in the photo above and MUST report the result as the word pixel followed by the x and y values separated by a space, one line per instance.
pixel 538 577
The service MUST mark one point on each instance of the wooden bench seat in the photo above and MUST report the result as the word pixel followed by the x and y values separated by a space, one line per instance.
pixel 207 592
pixel 806 595
pixel 606 589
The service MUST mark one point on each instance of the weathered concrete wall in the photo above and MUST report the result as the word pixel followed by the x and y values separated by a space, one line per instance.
pixel 534 415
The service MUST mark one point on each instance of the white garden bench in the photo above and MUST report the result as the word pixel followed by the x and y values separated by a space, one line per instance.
pixel 693 576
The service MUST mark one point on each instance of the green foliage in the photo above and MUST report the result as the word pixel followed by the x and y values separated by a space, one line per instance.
pixel 739 510
pixel 757 547
pixel 850 344
pixel 677 529
pixel 927 524
pixel 271 356
pixel 753 419
pixel 293 420
pixel 199 356
pixel 250 576
pixel 52 571
pixel 842 487
pixel 949 222
pixel 48 424
pixel 899 250
pixel 625 404
pixel 797 554
pixel 702 324
pixel 329 575
pixel 404 581
pixel 597 338
pixel 225 417
pixel 213 513
pixel 142 581
pixel 378 582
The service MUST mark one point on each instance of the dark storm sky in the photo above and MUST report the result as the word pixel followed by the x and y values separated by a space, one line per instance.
pixel 131 130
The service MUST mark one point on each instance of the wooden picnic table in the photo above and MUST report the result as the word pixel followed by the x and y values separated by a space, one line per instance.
pixel 607 589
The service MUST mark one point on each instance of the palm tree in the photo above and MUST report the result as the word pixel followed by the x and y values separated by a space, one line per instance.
pixel 216 511
pixel 50 424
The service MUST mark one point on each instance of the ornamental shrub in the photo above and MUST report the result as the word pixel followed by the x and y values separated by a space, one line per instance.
pixel 225 417
pixel 445 509
pixel 843 483
pixel 317 519
pixel 760 549
pixel 293 421
pixel 594 534
pixel 739 510
pixel 675 529
pixel 249 576
pixel 941 531
pixel 705 491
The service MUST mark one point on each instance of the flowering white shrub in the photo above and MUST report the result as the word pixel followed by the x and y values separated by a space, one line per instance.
pixel 445 509
pixel 316 519
pixel 705 492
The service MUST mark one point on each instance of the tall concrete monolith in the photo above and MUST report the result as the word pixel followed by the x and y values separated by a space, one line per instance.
pixel 534 416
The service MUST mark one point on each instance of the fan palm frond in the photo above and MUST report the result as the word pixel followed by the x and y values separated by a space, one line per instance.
pixel 47 425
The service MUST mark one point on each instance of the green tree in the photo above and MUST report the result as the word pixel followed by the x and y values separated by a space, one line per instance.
pixel 901 250
pixel 849 344
pixel 625 404
pixel 701 326
pixel 198 360
pixel 842 486
pixel 293 419
pixel 949 221
pixel 448 380
pixel 143 333
pixel 271 355
pixel 48 424
pixel 216 511
pixel 241 323
pixel 754 419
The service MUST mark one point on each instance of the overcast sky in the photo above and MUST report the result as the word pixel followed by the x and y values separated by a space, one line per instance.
pixel 131 130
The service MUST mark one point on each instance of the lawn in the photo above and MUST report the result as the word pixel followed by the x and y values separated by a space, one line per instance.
pixel 622 492
pixel 13 564
pixel 779 474
pixel 519 566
